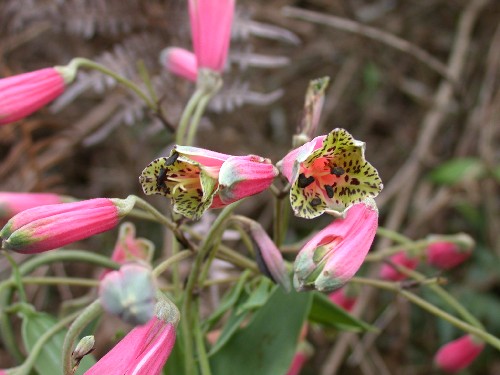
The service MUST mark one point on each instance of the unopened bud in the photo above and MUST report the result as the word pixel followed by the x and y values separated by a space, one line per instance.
pixel 129 293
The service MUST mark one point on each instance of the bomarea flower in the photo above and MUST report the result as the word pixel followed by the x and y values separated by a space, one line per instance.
pixel 51 226
pixel 23 94
pixel 328 174
pixel 180 62
pixel 145 349
pixel 446 255
pixel 211 22
pixel 458 354
pixel 196 179
pixel 389 272
pixel 336 253
pixel 129 293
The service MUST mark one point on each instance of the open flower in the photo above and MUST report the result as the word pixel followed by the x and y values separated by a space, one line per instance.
pixel 26 93
pixel 336 253
pixel 51 226
pixel 329 174
pixel 458 354
pixel 211 22
pixel 180 62
pixel 196 179
pixel 145 349
pixel 389 272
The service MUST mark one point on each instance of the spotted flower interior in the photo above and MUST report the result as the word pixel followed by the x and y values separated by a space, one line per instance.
pixel 190 186
pixel 333 177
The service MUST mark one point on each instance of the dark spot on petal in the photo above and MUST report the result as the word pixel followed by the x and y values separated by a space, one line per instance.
pixel 304 181
pixel 329 191
pixel 337 171
pixel 316 201
pixel 172 158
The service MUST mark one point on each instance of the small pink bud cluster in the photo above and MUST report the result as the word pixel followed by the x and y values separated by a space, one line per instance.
pixel 389 272
pixel 458 354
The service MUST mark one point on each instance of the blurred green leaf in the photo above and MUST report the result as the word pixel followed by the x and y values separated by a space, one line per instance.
pixel 267 345
pixel 326 313
pixel 34 325
pixel 230 328
pixel 258 297
pixel 458 170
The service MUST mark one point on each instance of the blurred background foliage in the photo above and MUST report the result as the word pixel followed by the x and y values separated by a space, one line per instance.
pixel 433 135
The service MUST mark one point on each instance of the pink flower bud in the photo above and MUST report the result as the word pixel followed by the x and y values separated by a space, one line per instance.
pixel 388 272
pixel 269 258
pixel 129 293
pixel 12 203
pixel 48 227
pixel 336 253
pixel 211 22
pixel 196 179
pixel 145 349
pixel 343 299
pixel 458 354
pixel 180 62
pixel 446 255
pixel 26 93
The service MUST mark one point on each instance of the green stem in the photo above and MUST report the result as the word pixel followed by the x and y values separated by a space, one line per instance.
pixel 61 281
pixel 16 277
pixel 83 319
pixel 26 367
pixel 392 235
pixel 186 115
pixel 163 266
pixel 86 63
pixel 195 120
pixel 194 274
pixel 201 350
pixel 7 335
pixel 396 288
pixel 156 214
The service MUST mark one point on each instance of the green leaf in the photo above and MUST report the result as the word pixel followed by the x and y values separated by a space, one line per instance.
pixel 258 297
pixel 231 326
pixel 456 171
pixel 326 313
pixel 34 325
pixel 228 302
pixel 267 345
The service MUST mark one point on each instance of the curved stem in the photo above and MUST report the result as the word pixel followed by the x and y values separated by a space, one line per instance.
pixel 83 319
pixel 156 214
pixel 163 266
pixel 86 63
pixel 16 277
pixel 392 235
pixel 186 115
pixel 26 367
pixel 201 350
pixel 396 288
pixel 61 281
pixel 195 120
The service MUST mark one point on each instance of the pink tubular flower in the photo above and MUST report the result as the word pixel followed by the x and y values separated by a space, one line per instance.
pixel 329 174
pixel 180 62
pixel 129 248
pixel 48 227
pixel 342 299
pixel 446 255
pixel 12 203
pixel 26 93
pixel 388 272
pixel 458 354
pixel 211 22
pixel 196 179
pixel 336 253
pixel 144 350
